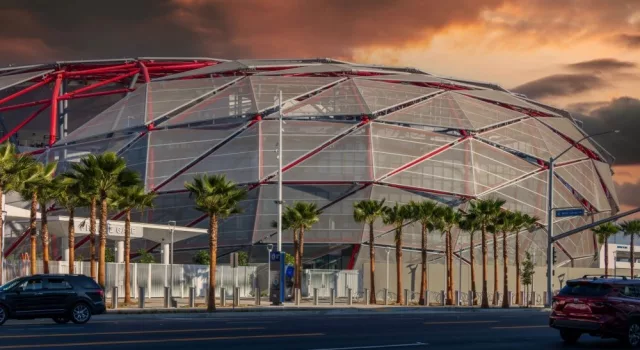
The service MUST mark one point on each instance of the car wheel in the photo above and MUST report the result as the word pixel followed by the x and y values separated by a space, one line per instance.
pixel 570 337
pixel 4 315
pixel 633 335
pixel 61 320
pixel 80 313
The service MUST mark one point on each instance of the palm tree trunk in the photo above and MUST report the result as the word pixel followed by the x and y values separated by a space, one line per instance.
pixel 473 271
pixel 301 250
pixel 495 270
pixel 400 298
pixel 633 258
pixel 423 268
pixel 518 299
pixel 92 237
pixel 372 266
pixel 127 252
pixel 505 289
pixel 102 266
pixel 296 258
pixel 44 237
pixel 33 231
pixel 1 235
pixel 72 241
pixel 485 297
pixel 448 254
pixel 606 257
pixel 213 254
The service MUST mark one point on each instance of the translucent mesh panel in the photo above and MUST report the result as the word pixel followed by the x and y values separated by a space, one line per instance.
pixel 379 95
pixel 442 111
pixel 237 159
pixel 482 114
pixel 605 174
pixel 166 207
pixel 415 78
pixel 395 146
pixel 579 244
pixel 136 156
pixel 237 229
pixel 504 97
pixel 267 89
pixel 127 113
pixel 67 155
pixel 557 145
pixel 318 68
pixel 336 223
pixel 170 150
pixel 493 167
pixel 583 178
pixel 215 69
pixel 8 81
pixel 449 171
pixel 347 159
pixel 298 138
pixel 563 198
pixel 342 99
pixel 164 97
pixel 567 128
pixel 528 196
pixel 236 100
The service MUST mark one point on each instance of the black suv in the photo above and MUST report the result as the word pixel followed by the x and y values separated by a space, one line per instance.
pixel 64 298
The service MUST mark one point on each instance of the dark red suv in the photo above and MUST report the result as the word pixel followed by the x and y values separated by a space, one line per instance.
pixel 599 306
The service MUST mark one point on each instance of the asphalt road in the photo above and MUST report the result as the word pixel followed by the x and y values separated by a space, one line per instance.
pixel 497 330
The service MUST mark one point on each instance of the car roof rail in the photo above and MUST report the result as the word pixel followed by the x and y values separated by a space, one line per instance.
pixel 624 278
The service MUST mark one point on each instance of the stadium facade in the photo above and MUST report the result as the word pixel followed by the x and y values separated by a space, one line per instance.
pixel 351 132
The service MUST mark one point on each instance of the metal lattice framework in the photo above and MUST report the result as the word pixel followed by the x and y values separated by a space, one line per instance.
pixel 352 132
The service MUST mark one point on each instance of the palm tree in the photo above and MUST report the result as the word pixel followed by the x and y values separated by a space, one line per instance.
pixel 300 217
pixel 32 178
pixel 12 170
pixel 46 192
pixel 369 211
pixel 128 198
pixel 631 229
pixel 485 212
pixel 447 220
pixel 423 212
pixel 397 216
pixel 523 222
pixel 603 232
pixel 219 199
pixel 507 222
pixel 68 196
pixel 469 224
pixel 107 172
pixel 497 226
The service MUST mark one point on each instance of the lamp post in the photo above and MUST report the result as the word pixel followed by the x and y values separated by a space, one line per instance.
pixel 280 202
pixel 172 226
pixel 388 250
pixel 269 249
pixel 550 208
pixel 4 219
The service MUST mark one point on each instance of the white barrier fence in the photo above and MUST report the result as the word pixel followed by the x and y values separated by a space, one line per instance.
pixel 325 280
pixel 154 277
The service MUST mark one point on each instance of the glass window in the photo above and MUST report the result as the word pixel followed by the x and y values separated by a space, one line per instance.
pixel 630 291
pixel 11 284
pixel 58 283
pixel 32 285
pixel 585 289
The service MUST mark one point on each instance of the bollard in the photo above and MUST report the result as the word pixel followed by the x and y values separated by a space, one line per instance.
pixel 386 296
pixel 470 298
pixel 367 296
pixel 296 294
pixel 426 298
pixel 332 299
pixel 457 297
pixel 406 297
pixel 258 295
pixel 522 298
pixel 510 296
pixel 444 301
pixel 315 296
pixel 236 296
pixel 192 297
pixel 114 298
pixel 141 297
pixel 167 296
pixel 223 297
pixel 532 298
pixel 544 298
pixel 349 296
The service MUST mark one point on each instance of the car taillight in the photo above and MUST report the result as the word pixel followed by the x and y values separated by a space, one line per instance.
pixel 554 305
pixel 101 293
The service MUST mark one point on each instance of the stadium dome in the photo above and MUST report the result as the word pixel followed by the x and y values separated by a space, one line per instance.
pixel 352 132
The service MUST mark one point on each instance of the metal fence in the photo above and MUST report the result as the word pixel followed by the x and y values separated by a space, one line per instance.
pixel 325 280
pixel 154 277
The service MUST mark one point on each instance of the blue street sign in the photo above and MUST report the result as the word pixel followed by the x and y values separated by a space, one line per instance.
pixel 569 212
pixel 275 256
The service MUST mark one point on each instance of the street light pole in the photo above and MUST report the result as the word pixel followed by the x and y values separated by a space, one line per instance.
pixel 172 226
pixel 280 202
pixel 388 251
pixel 550 208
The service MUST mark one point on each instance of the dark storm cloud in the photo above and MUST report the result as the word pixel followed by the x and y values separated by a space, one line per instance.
pixel 560 85
pixel 620 114
pixel 602 64
pixel 629 194
pixel 629 40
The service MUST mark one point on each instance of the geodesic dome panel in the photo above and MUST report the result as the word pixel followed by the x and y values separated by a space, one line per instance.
pixel 267 89
pixel 605 174
pixel 166 207
pixel 528 195
pixel 8 81
pixel 567 128
pixel 505 98
pixel 580 244
pixel 582 177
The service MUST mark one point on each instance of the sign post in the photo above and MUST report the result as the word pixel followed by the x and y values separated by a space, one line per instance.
pixel 567 212
pixel 276 290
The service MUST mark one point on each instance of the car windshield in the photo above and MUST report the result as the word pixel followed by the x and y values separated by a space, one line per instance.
pixel 585 289
pixel 10 284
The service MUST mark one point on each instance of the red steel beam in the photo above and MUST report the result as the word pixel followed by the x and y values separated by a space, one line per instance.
pixel 99 93
pixel 178 67
pixel 24 105
pixel 100 84
pixel 145 72
pixel 23 123
pixel 100 70
pixel 16 243
pixel 26 90
pixel 53 116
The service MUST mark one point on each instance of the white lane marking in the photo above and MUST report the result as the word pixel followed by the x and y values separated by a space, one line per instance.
pixel 378 346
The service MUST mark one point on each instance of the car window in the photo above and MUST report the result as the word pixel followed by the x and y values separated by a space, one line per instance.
pixel 630 291
pixel 32 285
pixel 58 283
pixel 85 282
pixel 583 289
pixel 11 284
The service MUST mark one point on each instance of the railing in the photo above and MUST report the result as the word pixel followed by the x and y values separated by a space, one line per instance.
pixel 154 277
pixel 325 280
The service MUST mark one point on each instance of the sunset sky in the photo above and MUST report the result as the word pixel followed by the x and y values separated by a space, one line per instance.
pixel 582 55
